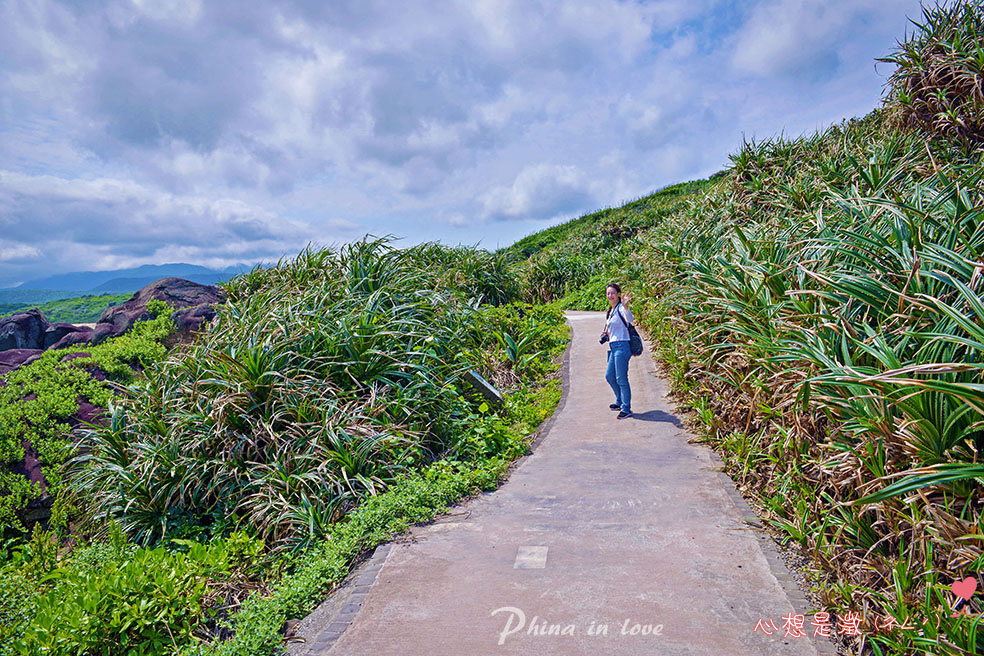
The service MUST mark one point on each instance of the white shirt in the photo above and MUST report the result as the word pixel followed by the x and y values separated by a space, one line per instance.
pixel 617 331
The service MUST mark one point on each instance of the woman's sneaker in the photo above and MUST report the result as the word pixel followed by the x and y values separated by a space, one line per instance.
pixel 614 406
pixel 623 414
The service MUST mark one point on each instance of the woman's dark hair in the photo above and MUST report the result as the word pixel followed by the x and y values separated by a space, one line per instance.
pixel 618 290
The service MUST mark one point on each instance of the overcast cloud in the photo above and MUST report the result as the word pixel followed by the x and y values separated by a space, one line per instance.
pixel 145 132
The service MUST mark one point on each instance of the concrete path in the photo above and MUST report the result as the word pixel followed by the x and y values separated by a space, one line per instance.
pixel 615 524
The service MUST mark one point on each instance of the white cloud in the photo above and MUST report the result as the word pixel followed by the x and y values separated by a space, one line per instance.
pixel 807 37
pixel 669 14
pixel 543 191
pixel 177 11
pixel 123 221
pixel 13 251
pixel 199 129
pixel 789 36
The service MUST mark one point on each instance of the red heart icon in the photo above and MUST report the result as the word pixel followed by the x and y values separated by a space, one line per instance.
pixel 964 589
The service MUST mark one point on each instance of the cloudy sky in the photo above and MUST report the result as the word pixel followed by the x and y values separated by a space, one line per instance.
pixel 213 132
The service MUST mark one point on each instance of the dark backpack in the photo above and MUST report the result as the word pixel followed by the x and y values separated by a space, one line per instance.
pixel 635 341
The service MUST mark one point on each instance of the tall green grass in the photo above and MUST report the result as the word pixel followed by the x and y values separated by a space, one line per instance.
pixel 319 382
pixel 935 87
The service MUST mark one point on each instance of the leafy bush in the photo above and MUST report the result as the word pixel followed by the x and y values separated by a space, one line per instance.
pixel 319 382
pixel 17 594
pixel 590 296
pixel 484 277
pixel 147 602
pixel 936 86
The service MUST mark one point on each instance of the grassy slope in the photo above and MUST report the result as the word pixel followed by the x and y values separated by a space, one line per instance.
pixel 648 208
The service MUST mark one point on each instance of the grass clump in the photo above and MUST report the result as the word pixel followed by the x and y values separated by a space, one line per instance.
pixel 318 383
pixel 148 600
pixel 935 87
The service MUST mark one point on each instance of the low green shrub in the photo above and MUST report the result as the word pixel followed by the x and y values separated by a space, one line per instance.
pixel 589 296
pixel 150 601
pixel 17 600
pixel 417 497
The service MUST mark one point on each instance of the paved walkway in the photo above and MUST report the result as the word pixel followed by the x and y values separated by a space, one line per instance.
pixel 615 524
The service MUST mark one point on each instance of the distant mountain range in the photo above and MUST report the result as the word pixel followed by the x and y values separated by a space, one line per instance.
pixel 120 281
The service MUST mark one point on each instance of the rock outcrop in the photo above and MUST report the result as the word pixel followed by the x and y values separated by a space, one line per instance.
pixel 31 330
pixel 192 300
pixel 55 332
pixel 193 304
pixel 81 336
pixel 25 336
pixel 23 330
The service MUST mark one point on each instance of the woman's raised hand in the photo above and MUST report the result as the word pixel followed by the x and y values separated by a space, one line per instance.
pixel 626 297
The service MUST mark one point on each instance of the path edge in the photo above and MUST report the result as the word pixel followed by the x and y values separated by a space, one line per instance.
pixel 779 569
pixel 360 580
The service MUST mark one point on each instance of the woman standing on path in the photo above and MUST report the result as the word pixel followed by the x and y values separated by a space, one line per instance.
pixel 616 333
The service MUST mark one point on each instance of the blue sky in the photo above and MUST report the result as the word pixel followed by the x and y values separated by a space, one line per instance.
pixel 145 132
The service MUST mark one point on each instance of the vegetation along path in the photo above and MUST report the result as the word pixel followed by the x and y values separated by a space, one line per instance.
pixel 617 524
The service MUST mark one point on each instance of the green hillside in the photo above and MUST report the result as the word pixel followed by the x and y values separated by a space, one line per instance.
pixel 21 297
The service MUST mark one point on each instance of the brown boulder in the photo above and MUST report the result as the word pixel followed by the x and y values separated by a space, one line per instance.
pixel 102 332
pixel 23 330
pixel 88 413
pixel 177 293
pixel 191 319
pixel 81 336
pixel 58 331
pixel 30 466
pixel 13 358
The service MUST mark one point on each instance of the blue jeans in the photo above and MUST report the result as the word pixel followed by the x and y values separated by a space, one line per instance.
pixel 618 373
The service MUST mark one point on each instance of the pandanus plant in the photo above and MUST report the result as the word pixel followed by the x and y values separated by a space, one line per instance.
pixel 320 381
